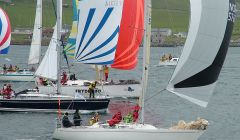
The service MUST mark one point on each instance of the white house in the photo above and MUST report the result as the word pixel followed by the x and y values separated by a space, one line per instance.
pixel 181 34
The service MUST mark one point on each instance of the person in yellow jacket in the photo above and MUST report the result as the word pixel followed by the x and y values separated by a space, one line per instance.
pixel 94 119
pixel 91 88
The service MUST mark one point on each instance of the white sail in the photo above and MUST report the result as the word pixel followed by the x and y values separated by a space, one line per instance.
pixel 48 66
pixel 98 34
pixel 204 52
pixel 35 50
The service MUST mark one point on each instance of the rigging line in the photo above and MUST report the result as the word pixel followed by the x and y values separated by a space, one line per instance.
pixel 68 108
pixel 21 86
pixel 63 44
pixel 54 8
pixel 154 95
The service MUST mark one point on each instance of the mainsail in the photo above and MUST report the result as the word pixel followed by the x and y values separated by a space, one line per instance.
pixel 205 50
pixel 130 36
pixel 98 34
pixel 5 32
pixel 71 44
pixel 35 50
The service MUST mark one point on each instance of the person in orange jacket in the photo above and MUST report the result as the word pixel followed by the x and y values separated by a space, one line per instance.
pixel 106 71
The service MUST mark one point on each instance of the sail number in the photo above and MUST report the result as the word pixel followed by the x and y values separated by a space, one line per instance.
pixel 114 3
pixel 86 91
pixel 232 12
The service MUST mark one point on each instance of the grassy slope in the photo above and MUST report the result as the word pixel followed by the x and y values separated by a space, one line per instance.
pixel 22 14
pixel 172 14
pixel 175 14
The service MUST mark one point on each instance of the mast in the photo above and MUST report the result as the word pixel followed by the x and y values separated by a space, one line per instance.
pixel 146 52
pixel 59 48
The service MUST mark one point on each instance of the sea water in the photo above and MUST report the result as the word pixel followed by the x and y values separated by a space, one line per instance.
pixel 163 109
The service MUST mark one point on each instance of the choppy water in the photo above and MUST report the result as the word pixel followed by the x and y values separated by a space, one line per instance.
pixel 162 110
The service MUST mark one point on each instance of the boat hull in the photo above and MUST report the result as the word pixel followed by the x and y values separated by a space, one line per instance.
pixel 17 77
pixel 168 63
pixel 113 91
pixel 172 62
pixel 52 105
pixel 126 134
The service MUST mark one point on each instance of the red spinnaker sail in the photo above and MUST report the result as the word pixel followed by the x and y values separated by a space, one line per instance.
pixel 130 36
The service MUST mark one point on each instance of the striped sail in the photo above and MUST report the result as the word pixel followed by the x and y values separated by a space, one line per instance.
pixel 48 67
pixel 205 50
pixel 98 31
pixel 5 32
pixel 35 50
pixel 71 44
pixel 130 36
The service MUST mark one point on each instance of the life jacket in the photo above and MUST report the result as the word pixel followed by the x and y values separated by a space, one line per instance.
pixel 64 78
pixel 106 70
pixel 7 93
pixel 117 118
pixel 92 86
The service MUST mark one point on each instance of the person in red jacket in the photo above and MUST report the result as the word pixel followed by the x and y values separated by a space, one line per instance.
pixel 64 78
pixel 8 92
pixel 136 112
pixel 117 118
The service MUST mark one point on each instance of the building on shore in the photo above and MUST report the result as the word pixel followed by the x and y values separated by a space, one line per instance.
pixel 181 34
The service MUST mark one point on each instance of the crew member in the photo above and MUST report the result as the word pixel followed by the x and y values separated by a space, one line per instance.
pixel 8 92
pixel 4 68
pixel 106 71
pixel 64 78
pixel 91 88
pixel 94 119
pixel 117 118
pixel 65 121
pixel 136 113
pixel 77 118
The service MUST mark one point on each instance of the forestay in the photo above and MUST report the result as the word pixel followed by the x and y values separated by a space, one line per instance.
pixel 98 34
pixel 5 32
pixel 35 50
pixel 205 50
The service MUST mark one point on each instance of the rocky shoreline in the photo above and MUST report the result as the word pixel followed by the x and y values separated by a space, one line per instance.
pixel 46 43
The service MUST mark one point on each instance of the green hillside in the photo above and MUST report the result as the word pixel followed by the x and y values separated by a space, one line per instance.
pixel 166 13
pixel 22 13
pixel 172 14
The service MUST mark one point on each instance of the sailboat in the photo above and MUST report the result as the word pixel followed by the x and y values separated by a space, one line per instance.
pixel 34 102
pixel 130 32
pixel 168 60
pixel 193 79
pixel 34 55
